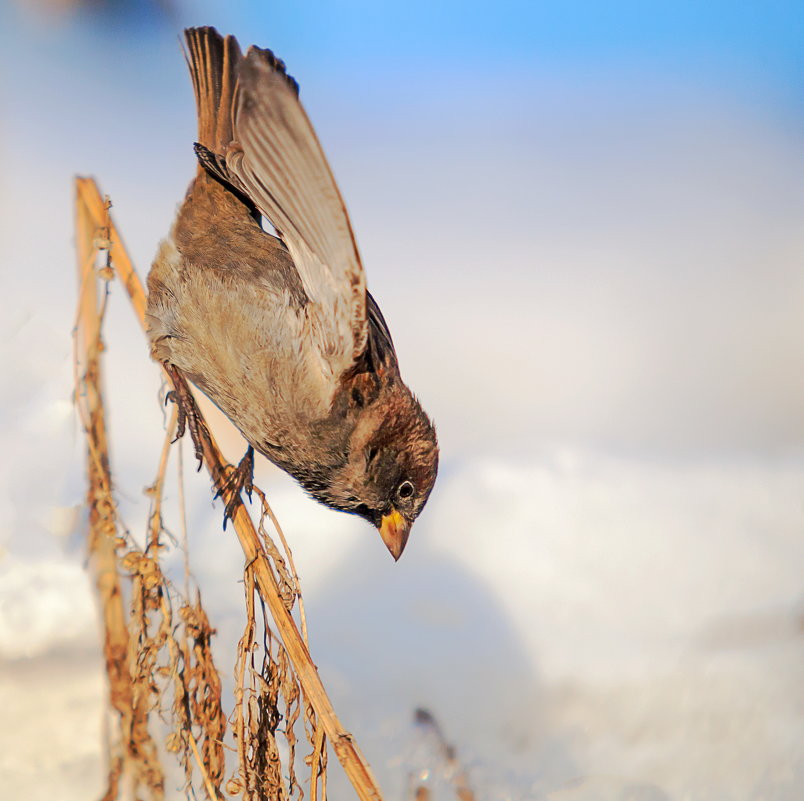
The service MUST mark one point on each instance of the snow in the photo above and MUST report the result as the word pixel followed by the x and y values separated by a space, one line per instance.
pixel 581 626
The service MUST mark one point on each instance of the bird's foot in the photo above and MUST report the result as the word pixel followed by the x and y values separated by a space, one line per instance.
pixel 189 416
pixel 240 478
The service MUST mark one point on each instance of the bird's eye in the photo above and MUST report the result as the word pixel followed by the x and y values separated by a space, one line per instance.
pixel 405 489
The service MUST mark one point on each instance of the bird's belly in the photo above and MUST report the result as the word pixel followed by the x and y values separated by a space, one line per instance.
pixel 245 342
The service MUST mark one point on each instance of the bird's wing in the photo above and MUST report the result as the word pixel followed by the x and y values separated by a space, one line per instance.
pixel 277 160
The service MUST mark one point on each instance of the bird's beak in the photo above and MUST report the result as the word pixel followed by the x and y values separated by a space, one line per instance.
pixel 394 531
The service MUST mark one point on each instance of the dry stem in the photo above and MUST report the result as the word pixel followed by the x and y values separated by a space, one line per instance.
pixel 131 751
pixel 276 585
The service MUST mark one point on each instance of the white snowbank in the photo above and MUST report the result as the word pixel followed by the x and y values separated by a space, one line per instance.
pixel 582 626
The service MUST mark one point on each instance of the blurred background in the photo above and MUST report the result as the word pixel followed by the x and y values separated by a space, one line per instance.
pixel 585 225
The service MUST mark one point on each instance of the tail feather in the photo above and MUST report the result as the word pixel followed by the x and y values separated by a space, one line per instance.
pixel 213 61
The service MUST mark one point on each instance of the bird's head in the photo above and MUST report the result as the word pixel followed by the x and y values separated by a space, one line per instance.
pixel 391 465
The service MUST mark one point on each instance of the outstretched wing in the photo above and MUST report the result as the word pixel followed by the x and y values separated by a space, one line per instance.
pixel 277 160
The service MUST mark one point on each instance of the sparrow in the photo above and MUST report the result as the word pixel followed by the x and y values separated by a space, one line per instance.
pixel 280 332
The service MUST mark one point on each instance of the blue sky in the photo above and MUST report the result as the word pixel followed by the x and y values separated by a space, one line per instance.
pixel 765 39
pixel 747 40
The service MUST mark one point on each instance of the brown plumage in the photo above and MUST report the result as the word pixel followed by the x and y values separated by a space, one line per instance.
pixel 281 333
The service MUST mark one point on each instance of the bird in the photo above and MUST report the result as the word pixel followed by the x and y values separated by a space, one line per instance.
pixel 280 331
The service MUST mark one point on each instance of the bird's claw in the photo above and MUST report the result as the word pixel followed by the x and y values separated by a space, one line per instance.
pixel 240 478
pixel 189 416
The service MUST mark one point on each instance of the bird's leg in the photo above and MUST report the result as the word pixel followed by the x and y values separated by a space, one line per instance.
pixel 240 478
pixel 189 416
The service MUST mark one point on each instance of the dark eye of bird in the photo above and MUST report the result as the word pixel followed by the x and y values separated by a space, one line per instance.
pixel 405 489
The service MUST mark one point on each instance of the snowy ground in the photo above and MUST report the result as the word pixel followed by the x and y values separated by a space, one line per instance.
pixel 583 627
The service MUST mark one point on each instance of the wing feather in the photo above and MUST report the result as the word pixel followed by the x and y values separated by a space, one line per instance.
pixel 278 160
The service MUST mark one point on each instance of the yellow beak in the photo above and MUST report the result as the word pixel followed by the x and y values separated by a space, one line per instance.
pixel 394 532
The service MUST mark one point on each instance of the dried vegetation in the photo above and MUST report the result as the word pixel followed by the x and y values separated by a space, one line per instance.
pixel 165 695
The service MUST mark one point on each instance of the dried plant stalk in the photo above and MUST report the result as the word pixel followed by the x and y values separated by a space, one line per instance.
pixel 278 589
pixel 201 689
pixel 194 681
pixel 269 699
pixel 131 752
pixel 451 765
pixel 135 650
